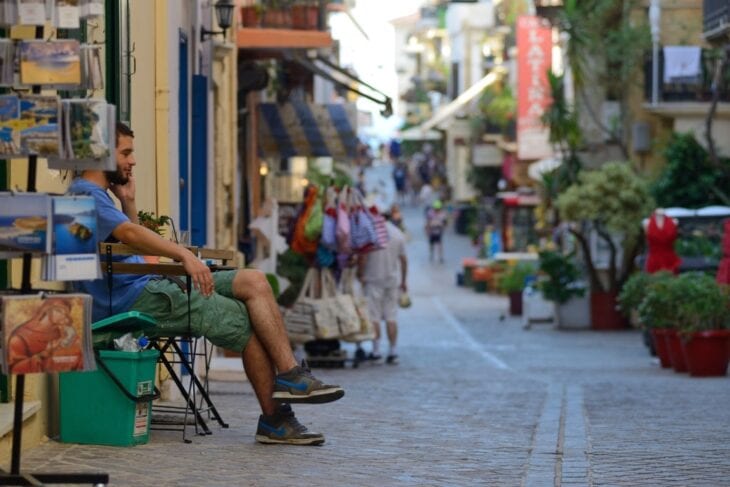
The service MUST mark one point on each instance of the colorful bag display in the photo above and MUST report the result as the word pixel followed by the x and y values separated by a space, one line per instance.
pixel 299 242
pixel 328 237
pixel 343 222
pixel 313 225
pixel 363 237
pixel 381 231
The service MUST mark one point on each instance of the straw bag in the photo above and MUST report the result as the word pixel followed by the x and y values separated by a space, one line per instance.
pixel 312 316
pixel 365 330
pixel 348 320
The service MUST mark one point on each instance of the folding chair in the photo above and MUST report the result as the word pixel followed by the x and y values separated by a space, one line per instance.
pixel 178 350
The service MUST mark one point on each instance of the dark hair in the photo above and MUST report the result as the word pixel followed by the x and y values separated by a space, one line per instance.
pixel 123 129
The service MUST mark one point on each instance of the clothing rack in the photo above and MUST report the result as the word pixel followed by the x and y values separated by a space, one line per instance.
pixel 15 476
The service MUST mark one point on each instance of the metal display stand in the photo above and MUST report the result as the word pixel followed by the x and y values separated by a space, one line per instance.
pixel 15 476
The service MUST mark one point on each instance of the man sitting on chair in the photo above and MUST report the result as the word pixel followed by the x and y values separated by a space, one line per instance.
pixel 235 310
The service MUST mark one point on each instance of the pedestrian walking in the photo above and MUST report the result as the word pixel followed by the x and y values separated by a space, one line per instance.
pixel 235 310
pixel 383 273
pixel 435 226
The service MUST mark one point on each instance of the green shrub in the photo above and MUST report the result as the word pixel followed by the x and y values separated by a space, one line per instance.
pixel 513 279
pixel 559 277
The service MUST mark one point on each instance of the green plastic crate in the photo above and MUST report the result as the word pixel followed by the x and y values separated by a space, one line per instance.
pixel 93 409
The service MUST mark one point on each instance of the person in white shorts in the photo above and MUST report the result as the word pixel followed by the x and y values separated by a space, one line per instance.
pixel 383 273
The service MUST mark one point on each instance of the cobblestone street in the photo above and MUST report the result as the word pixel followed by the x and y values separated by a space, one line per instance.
pixel 475 400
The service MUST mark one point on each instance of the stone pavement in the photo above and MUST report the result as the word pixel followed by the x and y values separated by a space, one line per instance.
pixel 476 400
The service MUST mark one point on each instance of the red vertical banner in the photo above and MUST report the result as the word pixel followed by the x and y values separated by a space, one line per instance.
pixel 534 58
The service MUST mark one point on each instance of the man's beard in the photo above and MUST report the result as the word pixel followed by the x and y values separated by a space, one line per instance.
pixel 116 177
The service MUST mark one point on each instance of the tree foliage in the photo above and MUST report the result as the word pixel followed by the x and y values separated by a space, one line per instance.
pixel 613 200
pixel 689 179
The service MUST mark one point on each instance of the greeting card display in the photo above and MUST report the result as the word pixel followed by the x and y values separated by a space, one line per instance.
pixel 46 334
pixel 56 63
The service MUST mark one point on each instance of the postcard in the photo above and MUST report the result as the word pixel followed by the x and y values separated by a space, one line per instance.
pixel 74 250
pixel 55 63
pixel 9 125
pixel 31 12
pixel 67 14
pixel 39 129
pixel 24 223
pixel 46 333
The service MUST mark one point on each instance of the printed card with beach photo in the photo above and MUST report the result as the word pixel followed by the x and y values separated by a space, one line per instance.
pixel 54 63
pixel 46 333
pixel 9 125
pixel 24 223
pixel 74 253
pixel 39 129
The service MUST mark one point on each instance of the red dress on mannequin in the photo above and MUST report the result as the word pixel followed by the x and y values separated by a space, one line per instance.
pixel 723 270
pixel 660 239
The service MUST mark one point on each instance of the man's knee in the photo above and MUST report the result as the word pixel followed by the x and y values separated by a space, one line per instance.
pixel 251 283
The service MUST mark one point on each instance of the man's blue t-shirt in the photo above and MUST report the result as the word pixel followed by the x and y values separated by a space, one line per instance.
pixel 126 288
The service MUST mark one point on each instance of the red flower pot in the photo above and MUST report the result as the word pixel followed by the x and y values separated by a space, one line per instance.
pixel 676 351
pixel 250 16
pixel 660 346
pixel 604 314
pixel 707 352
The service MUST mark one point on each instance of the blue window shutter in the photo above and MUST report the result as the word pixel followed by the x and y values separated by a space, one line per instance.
pixel 199 161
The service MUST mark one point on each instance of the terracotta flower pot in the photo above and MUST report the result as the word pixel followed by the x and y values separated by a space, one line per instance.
pixel 707 352
pixel 604 313
pixel 676 351
pixel 250 16
pixel 660 345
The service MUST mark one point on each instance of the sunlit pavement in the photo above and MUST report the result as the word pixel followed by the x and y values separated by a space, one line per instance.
pixel 475 400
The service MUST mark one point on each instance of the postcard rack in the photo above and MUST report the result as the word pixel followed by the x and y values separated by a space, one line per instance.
pixel 15 476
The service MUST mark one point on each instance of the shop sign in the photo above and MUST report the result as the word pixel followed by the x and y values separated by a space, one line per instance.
pixel 534 58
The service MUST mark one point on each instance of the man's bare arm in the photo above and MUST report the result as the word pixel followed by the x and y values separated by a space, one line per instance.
pixel 149 243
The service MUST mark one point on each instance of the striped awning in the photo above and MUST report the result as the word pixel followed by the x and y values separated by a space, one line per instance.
pixel 307 129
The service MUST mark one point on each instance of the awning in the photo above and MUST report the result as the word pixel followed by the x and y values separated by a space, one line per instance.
pixel 328 70
pixel 415 133
pixel 455 105
pixel 307 129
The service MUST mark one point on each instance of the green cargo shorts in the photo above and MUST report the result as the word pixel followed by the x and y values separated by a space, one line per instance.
pixel 220 318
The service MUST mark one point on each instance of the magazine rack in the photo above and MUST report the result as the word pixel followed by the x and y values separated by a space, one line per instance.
pixel 15 476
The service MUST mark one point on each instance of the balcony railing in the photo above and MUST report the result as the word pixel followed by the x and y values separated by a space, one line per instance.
pixel 716 17
pixel 305 15
pixel 698 90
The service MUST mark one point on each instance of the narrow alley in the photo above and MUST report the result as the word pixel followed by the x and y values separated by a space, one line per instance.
pixel 475 400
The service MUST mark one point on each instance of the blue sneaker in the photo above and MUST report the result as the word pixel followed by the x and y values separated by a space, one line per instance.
pixel 298 385
pixel 283 428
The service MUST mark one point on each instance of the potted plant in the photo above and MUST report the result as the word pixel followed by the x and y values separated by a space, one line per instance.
pixel 560 282
pixel 703 320
pixel 251 15
pixel 632 294
pixel 657 311
pixel 154 223
pixel 512 282
pixel 609 202
pixel 305 14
